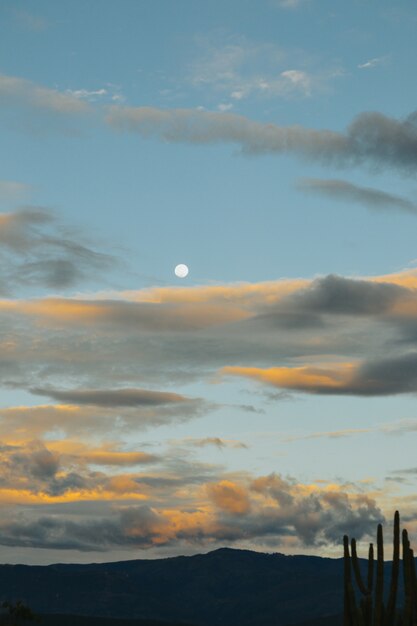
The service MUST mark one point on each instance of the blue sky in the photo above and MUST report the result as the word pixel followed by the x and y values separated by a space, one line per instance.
pixel 267 401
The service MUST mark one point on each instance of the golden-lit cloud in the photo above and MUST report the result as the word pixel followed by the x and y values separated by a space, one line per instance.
pixel 313 379
pixel 229 497
pixel 173 334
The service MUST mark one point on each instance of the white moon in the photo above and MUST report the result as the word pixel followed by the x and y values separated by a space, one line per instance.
pixel 181 270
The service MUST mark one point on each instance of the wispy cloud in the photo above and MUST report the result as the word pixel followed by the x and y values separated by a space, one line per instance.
pixel 21 92
pixel 35 250
pixel 240 68
pixel 331 434
pixel 349 192
pixel 218 442
pixel 371 63
pixel 372 138
pixel 397 428
pixel 109 93
pixel 164 335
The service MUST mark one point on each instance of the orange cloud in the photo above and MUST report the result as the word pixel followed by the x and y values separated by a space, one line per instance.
pixel 229 496
pixel 306 378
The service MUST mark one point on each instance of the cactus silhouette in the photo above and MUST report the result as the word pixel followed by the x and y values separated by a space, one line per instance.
pixel 371 610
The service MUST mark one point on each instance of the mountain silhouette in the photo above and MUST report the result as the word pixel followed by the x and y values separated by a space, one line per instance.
pixel 226 587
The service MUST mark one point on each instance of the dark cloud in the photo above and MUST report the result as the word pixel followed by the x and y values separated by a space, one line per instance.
pixel 335 295
pixel 372 138
pixel 113 397
pixel 387 376
pixel 343 190
pixel 34 461
pixel 314 309
pixel 34 251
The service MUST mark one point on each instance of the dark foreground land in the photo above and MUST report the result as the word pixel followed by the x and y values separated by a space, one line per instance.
pixel 82 620
pixel 222 588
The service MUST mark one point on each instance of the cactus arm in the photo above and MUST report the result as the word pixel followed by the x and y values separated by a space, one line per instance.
pixel 350 614
pixel 413 587
pixel 357 571
pixel 407 579
pixel 370 567
pixel 379 589
pixel 390 615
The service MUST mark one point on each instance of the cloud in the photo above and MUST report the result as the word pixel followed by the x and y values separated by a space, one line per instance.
pixel 16 91
pixel 327 333
pixel 269 509
pixel 400 427
pixel 373 63
pixel 85 94
pixel 379 377
pixel 218 442
pixel 239 68
pixel 349 192
pixel 372 138
pixel 342 296
pixel 332 434
pixel 110 93
pixel 34 250
pixel 229 497
pixel 23 422
pixel 232 69
pixel 113 397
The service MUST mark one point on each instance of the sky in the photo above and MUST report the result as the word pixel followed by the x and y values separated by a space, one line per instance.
pixel 267 401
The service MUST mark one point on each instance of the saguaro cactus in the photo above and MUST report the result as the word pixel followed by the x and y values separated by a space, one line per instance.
pixel 371 610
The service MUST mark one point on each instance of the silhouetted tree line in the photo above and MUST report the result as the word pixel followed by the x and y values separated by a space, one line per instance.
pixel 18 613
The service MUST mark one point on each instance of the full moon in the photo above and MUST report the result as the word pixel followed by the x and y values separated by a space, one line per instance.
pixel 181 270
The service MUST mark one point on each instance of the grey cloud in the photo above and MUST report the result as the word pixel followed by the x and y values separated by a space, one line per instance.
pixel 87 421
pixel 313 307
pixel 371 138
pixel 94 534
pixel 335 295
pixel 315 520
pixel 113 397
pixel 218 442
pixel 351 319
pixel 410 470
pixel 35 461
pixel 34 252
pixel 387 376
pixel 16 91
pixel 345 191
pixel 35 468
